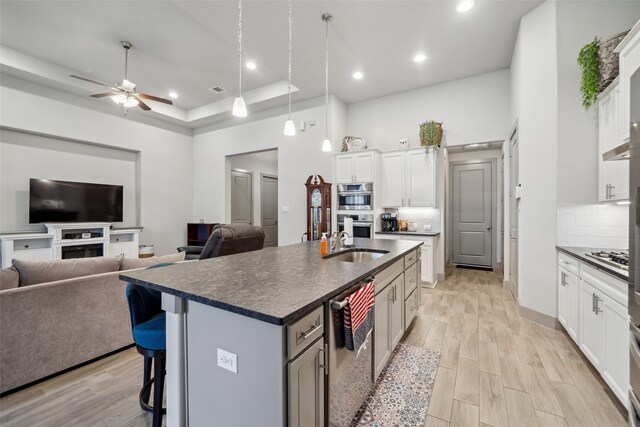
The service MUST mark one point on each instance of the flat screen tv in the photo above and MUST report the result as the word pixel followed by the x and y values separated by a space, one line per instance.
pixel 65 201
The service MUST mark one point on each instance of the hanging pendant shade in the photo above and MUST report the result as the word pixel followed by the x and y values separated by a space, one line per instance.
pixel 326 145
pixel 289 128
pixel 239 107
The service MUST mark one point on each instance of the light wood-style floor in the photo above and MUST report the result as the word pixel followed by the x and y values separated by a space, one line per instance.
pixel 497 370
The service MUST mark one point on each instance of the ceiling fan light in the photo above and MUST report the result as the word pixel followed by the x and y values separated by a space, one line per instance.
pixel 127 85
pixel 289 128
pixel 131 102
pixel 326 145
pixel 119 99
pixel 239 107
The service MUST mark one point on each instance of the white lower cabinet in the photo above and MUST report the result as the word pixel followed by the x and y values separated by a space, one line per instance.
pixel 592 307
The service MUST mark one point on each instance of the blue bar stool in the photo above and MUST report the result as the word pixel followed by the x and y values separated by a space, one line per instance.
pixel 149 331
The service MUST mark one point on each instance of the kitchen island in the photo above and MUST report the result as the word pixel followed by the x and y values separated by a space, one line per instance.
pixel 245 332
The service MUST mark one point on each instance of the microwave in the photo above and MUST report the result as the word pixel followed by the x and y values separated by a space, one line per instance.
pixel 355 196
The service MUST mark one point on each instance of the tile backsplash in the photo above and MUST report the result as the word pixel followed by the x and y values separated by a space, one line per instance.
pixel 594 226
pixel 422 216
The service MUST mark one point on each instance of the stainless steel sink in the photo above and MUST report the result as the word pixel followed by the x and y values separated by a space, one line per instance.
pixel 357 255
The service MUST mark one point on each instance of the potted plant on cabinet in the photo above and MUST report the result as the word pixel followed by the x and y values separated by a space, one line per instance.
pixel 431 134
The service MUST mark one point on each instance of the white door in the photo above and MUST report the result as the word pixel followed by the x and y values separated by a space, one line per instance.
pixel 616 369
pixel 344 169
pixel 420 178
pixel 591 326
pixel 393 178
pixel 472 203
pixel 269 208
pixel 363 167
pixel 426 262
pixel 241 197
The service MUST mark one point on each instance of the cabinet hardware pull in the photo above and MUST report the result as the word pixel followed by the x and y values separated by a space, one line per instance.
pixel 598 309
pixel 593 302
pixel 612 191
pixel 311 331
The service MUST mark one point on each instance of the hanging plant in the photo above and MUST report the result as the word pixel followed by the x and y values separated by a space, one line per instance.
pixel 431 134
pixel 589 60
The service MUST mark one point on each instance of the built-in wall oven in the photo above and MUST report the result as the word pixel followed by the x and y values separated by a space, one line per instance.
pixel 362 224
pixel 355 196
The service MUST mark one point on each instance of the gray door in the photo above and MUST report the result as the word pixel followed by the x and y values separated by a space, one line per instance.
pixel 514 182
pixel 241 197
pixel 269 208
pixel 472 209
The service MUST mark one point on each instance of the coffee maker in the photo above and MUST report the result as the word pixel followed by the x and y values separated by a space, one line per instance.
pixel 389 221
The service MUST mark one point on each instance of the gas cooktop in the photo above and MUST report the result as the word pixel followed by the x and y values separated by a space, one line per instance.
pixel 619 259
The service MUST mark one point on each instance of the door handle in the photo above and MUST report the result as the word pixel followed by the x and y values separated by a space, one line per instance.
pixel 489 227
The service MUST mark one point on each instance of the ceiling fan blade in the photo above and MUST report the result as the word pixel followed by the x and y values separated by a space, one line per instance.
pixel 144 106
pixel 90 81
pixel 154 98
pixel 102 95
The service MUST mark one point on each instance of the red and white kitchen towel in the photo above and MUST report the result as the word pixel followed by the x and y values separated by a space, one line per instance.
pixel 359 314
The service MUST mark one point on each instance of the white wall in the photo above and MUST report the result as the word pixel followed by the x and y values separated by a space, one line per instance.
pixel 265 162
pixel 165 176
pixel 594 226
pixel 534 101
pixel 298 157
pixel 577 24
pixel 24 156
pixel 475 109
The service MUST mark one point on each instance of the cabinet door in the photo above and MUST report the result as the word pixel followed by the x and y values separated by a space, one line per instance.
pixel 410 308
pixel 420 178
pixel 621 186
pixel 564 298
pixel 382 343
pixel 607 129
pixel 591 326
pixel 616 335
pixel 364 167
pixel 573 286
pixel 306 387
pixel 426 264
pixel 344 169
pixel 116 248
pixel 393 177
pixel 397 311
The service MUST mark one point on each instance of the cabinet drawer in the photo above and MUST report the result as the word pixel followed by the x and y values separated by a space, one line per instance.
pixel 410 277
pixel 571 264
pixel 410 259
pixel 303 332
pixel 410 308
pixel 386 276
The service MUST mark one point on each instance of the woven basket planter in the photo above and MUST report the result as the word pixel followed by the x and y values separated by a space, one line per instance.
pixel 609 61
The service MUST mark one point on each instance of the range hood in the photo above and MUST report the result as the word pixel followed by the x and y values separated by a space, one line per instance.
pixel 621 152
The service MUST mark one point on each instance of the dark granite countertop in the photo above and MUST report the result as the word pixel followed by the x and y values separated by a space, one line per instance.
pixel 275 285
pixel 580 253
pixel 411 233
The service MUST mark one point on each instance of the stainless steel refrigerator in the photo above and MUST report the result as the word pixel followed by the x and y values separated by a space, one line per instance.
pixel 634 251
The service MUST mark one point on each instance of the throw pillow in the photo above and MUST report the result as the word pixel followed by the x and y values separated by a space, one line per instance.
pixel 34 272
pixel 131 263
pixel 9 278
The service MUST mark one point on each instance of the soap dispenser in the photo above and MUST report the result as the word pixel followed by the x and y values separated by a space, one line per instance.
pixel 324 245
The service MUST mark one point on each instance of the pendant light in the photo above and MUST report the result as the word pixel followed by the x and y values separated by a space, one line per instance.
pixel 289 127
pixel 326 144
pixel 239 107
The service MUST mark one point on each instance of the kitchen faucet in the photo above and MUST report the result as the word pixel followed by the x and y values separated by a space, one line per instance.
pixel 337 238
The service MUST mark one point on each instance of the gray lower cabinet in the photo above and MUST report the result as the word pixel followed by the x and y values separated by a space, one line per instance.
pixel 382 334
pixel 397 311
pixel 306 387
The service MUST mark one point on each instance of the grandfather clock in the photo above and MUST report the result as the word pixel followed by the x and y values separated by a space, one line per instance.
pixel 318 207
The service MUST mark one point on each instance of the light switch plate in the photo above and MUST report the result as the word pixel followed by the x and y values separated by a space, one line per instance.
pixel 285 209
pixel 228 361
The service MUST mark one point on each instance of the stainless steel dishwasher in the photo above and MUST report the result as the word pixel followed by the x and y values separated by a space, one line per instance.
pixel 350 377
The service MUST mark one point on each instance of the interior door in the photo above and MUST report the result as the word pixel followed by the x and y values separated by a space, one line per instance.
pixel 241 197
pixel 472 202
pixel 269 209
pixel 514 181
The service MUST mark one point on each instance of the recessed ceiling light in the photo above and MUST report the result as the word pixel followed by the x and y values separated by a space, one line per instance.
pixel 173 95
pixel 419 57
pixel 465 5
pixel 251 65
pixel 357 75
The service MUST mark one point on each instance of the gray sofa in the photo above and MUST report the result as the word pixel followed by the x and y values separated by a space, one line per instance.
pixel 48 327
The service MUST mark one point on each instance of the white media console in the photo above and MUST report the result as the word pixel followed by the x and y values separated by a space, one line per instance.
pixel 61 240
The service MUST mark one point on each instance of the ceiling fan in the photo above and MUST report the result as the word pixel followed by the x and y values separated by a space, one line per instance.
pixel 125 93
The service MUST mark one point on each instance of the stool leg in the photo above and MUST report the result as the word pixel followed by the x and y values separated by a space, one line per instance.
pixel 146 378
pixel 158 389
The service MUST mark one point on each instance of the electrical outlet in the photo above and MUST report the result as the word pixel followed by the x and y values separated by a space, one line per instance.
pixel 312 122
pixel 228 361
pixel 303 126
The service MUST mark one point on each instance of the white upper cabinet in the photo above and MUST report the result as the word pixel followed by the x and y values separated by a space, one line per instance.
pixel 355 167
pixel 613 176
pixel 420 184
pixel 629 54
pixel 393 179
pixel 408 178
